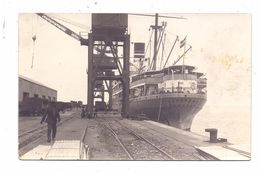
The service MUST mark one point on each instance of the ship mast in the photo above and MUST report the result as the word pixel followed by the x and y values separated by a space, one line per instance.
pixel 155 27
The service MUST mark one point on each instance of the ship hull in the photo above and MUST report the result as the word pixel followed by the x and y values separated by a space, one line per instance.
pixel 175 109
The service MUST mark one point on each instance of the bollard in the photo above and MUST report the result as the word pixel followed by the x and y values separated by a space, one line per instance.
pixel 213 133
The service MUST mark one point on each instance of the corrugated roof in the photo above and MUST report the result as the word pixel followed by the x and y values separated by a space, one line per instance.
pixel 35 82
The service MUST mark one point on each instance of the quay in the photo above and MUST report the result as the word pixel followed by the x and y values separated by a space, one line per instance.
pixel 111 137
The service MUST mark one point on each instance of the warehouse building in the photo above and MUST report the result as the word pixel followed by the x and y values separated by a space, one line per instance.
pixel 29 88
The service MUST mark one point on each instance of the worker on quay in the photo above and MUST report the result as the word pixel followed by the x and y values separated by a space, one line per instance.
pixel 83 112
pixel 51 117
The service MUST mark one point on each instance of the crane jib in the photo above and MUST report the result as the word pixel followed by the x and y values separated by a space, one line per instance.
pixel 63 28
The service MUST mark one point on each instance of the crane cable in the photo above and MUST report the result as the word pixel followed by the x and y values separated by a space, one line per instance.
pixel 79 25
pixel 34 39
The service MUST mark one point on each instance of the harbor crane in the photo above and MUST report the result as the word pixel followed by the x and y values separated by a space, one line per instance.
pixel 106 36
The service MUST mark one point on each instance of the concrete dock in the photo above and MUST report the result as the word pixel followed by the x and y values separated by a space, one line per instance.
pixel 110 137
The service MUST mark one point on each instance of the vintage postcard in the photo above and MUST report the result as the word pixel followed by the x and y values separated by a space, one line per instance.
pixel 134 86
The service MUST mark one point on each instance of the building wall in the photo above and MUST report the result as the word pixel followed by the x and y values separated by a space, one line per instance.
pixel 33 88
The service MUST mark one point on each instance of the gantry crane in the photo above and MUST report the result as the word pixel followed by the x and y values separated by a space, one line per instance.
pixel 105 65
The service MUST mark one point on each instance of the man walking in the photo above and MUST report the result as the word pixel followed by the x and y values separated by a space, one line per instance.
pixel 83 112
pixel 51 117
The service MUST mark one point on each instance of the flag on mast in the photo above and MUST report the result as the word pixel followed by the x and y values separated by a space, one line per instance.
pixel 183 42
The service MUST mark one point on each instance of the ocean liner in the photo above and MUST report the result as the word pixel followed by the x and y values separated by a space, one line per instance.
pixel 172 95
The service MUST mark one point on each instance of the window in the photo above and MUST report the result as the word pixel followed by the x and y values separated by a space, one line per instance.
pixel 25 95
pixel 49 98
pixel 36 95
pixel 54 99
pixel 43 96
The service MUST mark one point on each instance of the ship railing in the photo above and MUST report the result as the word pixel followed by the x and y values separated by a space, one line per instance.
pixel 180 77
pixel 169 95
pixel 188 90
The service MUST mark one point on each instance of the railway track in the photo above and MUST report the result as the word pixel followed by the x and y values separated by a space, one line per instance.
pixel 130 156
pixel 199 156
pixel 33 136
pixel 148 142
pixel 143 144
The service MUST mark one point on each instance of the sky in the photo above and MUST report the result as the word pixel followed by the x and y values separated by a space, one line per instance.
pixel 219 41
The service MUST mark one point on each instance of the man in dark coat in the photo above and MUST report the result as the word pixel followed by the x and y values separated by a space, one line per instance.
pixel 83 112
pixel 51 117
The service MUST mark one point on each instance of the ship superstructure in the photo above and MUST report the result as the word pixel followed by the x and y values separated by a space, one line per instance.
pixel 167 95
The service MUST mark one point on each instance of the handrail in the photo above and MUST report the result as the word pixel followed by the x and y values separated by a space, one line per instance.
pixel 83 150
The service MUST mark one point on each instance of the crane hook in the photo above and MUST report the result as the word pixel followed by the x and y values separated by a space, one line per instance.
pixel 34 39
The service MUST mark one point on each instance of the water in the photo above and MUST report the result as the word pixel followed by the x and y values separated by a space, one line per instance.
pixel 233 123
pixel 228 106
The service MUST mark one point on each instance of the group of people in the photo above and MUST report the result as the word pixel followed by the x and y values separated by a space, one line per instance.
pixel 84 112
pixel 50 116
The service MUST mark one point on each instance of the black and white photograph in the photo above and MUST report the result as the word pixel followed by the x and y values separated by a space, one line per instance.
pixel 134 86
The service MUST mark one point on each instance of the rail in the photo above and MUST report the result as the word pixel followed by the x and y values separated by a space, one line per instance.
pixel 120 142
pixel 117 138
pixel 42 127
pixel 35 134
pixel 108 126
pixel 149 142
pixel 84 149
pixel 170 95
pixel 200 155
